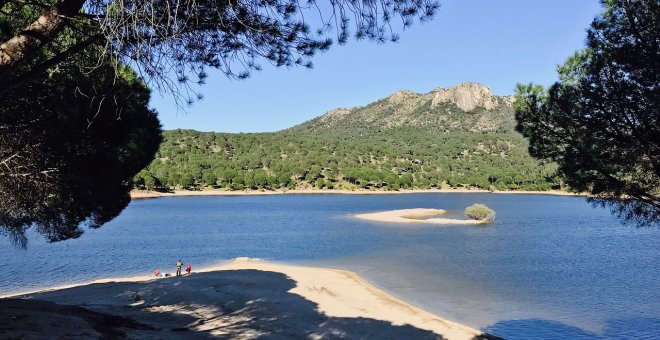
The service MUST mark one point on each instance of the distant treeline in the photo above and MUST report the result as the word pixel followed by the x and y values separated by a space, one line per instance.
pixel 391 159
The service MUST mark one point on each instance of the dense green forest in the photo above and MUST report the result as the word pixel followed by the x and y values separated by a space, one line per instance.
pixel 403 141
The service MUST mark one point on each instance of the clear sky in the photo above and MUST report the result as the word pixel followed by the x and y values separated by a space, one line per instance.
pixel 497 43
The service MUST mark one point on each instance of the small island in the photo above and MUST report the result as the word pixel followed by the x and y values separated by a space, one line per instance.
pixel 416 215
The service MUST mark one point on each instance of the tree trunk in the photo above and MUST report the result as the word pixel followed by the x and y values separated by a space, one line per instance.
pixel 36 35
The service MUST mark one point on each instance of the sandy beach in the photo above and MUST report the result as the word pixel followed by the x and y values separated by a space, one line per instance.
pixel 415 215
pixel 137 194
pixel 243 299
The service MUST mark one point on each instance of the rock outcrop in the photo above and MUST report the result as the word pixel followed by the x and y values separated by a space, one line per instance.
pixel 335 114
pixel 467 96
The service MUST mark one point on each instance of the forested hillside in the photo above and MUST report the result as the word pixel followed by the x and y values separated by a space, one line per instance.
pixel 456 137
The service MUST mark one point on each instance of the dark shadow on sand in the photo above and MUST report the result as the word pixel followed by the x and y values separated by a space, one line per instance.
pixel 224 304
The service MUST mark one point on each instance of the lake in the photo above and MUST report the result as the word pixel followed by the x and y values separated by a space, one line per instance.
pixel 549 267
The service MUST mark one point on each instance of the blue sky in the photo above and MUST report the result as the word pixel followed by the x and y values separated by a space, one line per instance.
pixel 497 43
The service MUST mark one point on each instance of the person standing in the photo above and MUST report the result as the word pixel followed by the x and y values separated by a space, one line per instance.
pixel 179 264
pixel 188 268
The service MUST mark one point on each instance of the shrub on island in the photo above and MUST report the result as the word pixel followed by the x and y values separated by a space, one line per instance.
pixel 480 212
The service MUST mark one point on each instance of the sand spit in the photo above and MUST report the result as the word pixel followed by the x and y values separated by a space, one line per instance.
pixel 417 215
pixel 244 299
pixel 137 194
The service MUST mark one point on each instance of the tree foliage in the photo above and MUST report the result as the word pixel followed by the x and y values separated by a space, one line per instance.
pixel 63 164
pixel 172 43
pixel 70 143
pixel 600 123
pixel 393 159
pixel 480 212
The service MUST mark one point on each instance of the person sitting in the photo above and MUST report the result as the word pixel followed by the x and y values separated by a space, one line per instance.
pixel 157 272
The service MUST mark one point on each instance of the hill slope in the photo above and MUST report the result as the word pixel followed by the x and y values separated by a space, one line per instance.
pixel 460 137
pixel 468 107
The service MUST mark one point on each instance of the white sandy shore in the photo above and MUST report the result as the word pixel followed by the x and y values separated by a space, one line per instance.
pixel 243 299
pixel 136 194
pixel 416 215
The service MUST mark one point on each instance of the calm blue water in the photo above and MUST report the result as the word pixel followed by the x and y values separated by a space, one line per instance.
pixel 549 267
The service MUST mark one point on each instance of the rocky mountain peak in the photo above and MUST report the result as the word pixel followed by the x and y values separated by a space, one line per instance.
pixel 467 96
pixel 466 107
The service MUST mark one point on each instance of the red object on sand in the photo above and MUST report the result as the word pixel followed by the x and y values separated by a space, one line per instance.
pixel 188 268
pixel 156 272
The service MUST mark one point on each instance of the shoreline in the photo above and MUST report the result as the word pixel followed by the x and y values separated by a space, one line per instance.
pixel 140 194
pixel 336 294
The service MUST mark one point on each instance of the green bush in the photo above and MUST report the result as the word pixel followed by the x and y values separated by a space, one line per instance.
pixel 480 212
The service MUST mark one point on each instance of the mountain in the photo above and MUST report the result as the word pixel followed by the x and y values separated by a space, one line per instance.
pixel 467 107
pixel 461 136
